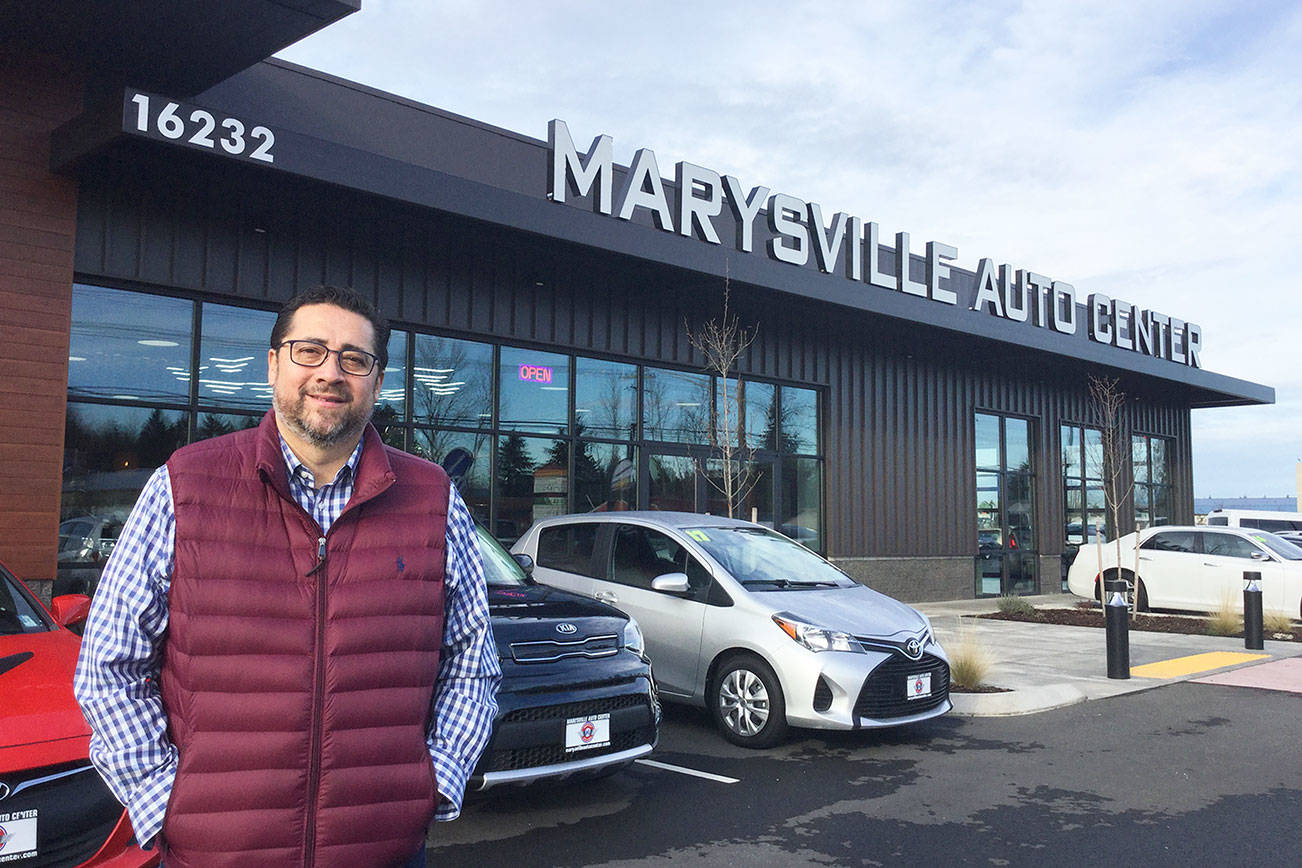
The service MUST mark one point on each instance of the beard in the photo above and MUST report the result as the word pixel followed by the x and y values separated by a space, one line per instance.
pixel 317 428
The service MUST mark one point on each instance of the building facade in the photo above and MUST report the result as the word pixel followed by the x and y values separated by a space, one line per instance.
pixel 929 429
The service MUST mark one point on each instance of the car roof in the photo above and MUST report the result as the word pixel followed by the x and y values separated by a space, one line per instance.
pixel 653 516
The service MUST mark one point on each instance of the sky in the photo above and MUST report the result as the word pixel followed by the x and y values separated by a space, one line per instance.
pixel 1147 150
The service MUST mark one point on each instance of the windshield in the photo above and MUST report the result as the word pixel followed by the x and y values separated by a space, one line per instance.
pixel 18 614
pixel 1280 546
pixel 500 569
pixel 765 561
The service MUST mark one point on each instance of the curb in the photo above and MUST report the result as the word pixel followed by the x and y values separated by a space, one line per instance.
pixel 1015 702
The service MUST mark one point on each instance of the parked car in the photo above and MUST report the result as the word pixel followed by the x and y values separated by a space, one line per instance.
pixel 1196 568
pixel 85 544
pixel 54 808
pixel 577 696
pixel 748 623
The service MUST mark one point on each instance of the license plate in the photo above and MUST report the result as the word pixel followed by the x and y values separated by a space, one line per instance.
pixel 17 835
pixel 585 733
pixel 918 686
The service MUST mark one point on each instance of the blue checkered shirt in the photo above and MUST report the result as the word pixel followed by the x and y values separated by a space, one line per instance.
pixel 121 652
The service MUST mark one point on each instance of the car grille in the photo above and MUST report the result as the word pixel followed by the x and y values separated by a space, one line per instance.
pixel 548 650
pixel 75 812
pixel 567 710
pixel 885 695
pixel 623 736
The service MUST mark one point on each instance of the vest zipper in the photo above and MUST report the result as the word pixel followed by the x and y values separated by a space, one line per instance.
pixel 318 700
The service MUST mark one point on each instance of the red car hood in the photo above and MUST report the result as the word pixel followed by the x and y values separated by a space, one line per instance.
pixel 36 701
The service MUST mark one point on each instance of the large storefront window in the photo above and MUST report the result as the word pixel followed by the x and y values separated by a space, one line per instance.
pixel 1005 496
pixel 524 433
pixel 1084 505
pixel 1154 493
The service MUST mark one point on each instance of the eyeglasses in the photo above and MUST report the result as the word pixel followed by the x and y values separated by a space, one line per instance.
pixel 311 354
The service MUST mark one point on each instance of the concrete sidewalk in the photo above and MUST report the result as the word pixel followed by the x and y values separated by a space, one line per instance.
pixel 1047 666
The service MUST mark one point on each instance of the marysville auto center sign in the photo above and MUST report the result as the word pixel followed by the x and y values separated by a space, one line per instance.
pixel 849 247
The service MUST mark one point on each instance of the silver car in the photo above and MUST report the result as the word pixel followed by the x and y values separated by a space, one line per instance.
pixel 752 625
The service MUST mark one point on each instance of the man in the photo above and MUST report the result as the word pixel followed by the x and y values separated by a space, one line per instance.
pixel 288 660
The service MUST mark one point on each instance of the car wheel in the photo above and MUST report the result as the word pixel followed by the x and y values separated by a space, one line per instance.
pixel 1131 582
pixel 746 702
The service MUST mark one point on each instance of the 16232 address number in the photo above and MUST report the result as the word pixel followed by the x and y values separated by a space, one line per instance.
pixel 204 129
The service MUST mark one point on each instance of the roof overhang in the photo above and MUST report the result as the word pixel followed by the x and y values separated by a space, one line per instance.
pixel 325 130
pixel 180 47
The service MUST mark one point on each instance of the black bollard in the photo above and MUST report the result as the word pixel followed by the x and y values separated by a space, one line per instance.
pixel 1115 616
pixel 1252 631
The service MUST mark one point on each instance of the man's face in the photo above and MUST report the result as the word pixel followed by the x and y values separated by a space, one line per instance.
pixel 324 406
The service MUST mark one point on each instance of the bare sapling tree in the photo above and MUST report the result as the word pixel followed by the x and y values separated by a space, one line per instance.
pixel 722 341
pixel 1109 403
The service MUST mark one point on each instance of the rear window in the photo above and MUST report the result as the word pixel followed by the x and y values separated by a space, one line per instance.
pixel 568 548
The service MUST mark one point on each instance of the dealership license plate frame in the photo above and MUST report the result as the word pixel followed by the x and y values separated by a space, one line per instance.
pixel 918 686
pixel 587 733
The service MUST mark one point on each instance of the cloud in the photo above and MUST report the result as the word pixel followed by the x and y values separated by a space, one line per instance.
pixel 1147 150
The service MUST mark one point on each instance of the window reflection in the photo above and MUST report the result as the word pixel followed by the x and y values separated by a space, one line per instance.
pixel 216 424
pixel 129 346
pixel 802 501
pixel 761 416
pixel 605 477
pixel 799 420
pixel 535 391
pixel 393 393
pixel 233 357
pixel 672 483
pixel 676 406
pixel 605 399
pixel 532 475
pixel 452 382
pixel 110 453
pixel 1005 505
pixel 465 456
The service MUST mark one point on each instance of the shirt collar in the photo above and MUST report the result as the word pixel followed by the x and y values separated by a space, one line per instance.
pixel 298 470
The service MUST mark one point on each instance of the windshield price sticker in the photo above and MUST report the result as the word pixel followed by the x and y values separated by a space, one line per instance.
pixel 699 535
pixel 585 733
pixel 17 836
pixel 161 118
pixel 918 686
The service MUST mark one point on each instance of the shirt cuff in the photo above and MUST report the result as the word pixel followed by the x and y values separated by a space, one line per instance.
pixel 451 776
pixel 149 803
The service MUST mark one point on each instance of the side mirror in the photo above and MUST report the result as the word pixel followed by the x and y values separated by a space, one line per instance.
pixel 70 609
pixel 671 583
pixel 1259 556
pixel 525 562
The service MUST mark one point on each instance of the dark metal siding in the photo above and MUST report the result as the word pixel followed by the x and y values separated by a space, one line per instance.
pixel 898 399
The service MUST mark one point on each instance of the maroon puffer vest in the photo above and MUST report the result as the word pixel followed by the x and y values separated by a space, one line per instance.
pixel 298 692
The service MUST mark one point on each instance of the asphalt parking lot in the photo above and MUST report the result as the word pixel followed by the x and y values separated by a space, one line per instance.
pixel 1185 774
pixel 1171 770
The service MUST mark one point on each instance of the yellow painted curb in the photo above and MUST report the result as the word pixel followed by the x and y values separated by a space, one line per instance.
pixel 1194 664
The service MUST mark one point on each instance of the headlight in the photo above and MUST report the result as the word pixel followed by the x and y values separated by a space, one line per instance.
pixel 632 638
pixel 816 638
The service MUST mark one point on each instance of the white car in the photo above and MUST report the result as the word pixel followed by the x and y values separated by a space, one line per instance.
pixel 1196 568
pixel 748 623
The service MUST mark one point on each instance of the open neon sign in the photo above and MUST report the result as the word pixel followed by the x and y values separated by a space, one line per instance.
pixel 536 373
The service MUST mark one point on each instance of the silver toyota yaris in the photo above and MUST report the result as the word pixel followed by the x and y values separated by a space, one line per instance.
pixel 756 627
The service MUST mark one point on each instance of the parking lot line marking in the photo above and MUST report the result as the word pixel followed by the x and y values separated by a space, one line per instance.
pixel 1193 664
pixel 685 771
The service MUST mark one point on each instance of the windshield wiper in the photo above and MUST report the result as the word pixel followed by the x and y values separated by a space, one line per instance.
pixel 788 583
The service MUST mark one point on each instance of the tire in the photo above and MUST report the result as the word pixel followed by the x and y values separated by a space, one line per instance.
pixel 746 702
pixel 1131 582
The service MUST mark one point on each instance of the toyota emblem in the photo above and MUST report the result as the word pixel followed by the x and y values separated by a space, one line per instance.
pixel 566 627
pixel 914 648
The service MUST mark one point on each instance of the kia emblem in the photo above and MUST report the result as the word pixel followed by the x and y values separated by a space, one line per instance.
pixel 566 627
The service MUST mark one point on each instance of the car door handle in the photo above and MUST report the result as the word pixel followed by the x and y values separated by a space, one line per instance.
pixel 1206 564
pixel 606 597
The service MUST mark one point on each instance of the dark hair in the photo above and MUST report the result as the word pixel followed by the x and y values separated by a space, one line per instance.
pixel 341 297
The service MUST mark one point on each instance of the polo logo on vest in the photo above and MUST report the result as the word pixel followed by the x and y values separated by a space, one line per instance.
pixel 401 566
